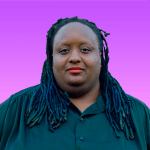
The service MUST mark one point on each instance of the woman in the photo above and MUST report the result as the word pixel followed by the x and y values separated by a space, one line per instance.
pixel 78 105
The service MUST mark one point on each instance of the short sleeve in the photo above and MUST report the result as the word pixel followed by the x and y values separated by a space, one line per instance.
pixel 3 110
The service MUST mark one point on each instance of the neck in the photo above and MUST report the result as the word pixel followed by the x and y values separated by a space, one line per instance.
pixel 88 98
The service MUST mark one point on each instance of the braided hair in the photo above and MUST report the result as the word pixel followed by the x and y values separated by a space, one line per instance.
pixel 46 98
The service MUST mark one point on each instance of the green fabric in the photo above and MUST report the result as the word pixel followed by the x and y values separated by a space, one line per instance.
pixel 93 132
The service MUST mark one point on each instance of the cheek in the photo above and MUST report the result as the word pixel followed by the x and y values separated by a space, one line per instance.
pixel 93 63
pixel 57 64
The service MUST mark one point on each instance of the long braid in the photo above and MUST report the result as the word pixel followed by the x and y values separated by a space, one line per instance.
pixel 46 97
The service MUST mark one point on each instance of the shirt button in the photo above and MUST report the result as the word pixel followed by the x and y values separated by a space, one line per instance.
pixel 81 119
pixel 81 138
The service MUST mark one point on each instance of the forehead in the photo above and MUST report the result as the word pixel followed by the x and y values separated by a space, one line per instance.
pixel 75 32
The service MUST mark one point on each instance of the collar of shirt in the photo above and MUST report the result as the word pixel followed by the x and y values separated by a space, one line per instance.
pixel 95 108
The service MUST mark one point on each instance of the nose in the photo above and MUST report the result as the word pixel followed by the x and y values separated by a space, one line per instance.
pixel 74 56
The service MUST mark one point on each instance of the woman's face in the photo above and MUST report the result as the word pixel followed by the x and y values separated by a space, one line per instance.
pixel 76 45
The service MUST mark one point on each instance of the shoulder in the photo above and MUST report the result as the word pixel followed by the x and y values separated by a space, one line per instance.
pixel 139 109
pixel 15 98
pixel 13 106
pixel 138 104
pixel 140 113
pixel 25 91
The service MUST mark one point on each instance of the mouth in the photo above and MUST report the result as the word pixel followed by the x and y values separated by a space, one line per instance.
pixel 75 70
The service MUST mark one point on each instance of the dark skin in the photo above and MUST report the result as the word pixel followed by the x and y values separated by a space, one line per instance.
pixel 83 88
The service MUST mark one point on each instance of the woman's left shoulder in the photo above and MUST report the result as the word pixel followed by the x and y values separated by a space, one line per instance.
pixel 139 105
pixel 140 113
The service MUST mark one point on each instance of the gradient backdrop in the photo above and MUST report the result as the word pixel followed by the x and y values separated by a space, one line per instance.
pixel 24 26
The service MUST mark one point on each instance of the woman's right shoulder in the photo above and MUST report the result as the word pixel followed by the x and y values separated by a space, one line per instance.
pixel 12 103
pixel 16 95
pixel 13 97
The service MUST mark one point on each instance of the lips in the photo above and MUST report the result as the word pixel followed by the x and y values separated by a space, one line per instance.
pixel 75 68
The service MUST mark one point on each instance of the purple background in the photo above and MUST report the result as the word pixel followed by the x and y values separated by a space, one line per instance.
pixel 23 30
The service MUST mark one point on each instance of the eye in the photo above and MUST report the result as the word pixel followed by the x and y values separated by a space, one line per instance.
pixel 84 49
pixel 63 50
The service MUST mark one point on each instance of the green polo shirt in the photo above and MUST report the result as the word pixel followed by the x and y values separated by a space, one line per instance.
pixel 90 130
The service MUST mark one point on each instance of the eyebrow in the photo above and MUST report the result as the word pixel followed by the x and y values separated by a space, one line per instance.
pixel 81 42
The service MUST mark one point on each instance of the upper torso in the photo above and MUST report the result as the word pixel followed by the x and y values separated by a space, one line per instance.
pixel 93 131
